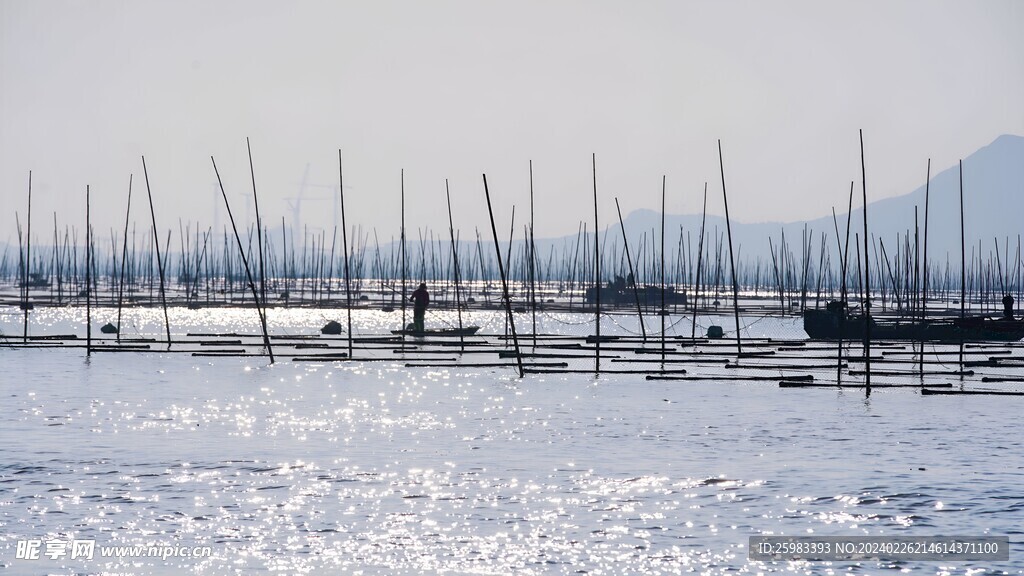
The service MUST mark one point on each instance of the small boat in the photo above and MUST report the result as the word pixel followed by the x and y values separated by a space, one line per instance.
pixel 35 280
pixel 621 292
pixel 835 321
pixel 456 332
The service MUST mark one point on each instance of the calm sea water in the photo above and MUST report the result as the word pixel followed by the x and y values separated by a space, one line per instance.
pixel 373 468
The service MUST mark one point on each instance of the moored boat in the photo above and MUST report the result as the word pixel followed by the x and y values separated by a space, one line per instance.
pixel 622 292
pixel 456 332
pixel 835 322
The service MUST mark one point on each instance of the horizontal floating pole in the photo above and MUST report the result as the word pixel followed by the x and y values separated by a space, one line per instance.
pixel 913 373
pixel 805 378
pixel 603 371
pixel 929 392
pixel 486 365
pixel 793 384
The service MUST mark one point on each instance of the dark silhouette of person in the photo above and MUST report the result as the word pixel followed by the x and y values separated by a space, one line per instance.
pixel 1008 307
pixel 421 299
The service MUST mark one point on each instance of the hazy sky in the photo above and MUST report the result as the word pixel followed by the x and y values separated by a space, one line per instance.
pixel 455 89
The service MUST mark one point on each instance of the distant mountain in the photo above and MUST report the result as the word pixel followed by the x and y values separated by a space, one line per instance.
pixel 993 209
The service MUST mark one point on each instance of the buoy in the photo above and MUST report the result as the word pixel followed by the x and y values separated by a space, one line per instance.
pixel 715 332
pixel 331 327
pixel 109 328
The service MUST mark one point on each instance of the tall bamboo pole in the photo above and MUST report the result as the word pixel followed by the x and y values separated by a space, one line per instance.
pixel 402 248
pixel 700 254
pixel 88 275
pixel 924 280
pixel 159 261
pixel 629 260
pixel 663 312
pixel 245 264
pixel 732 260
pixel 28 258
pixel 344 247
pixel 597 275
pixel 533 264
pixel 259 230
pixel 124 257
pixel 963 262
pixel 867 276
pixel 455 261
pixel 504 281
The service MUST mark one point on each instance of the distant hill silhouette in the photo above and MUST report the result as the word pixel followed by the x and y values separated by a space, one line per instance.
pixel 993 209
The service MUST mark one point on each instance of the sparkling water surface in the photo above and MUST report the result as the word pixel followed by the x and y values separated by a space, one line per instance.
pixel 374 468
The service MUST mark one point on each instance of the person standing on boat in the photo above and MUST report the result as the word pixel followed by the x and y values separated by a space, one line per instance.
pixel 420 298
pixel 1008 307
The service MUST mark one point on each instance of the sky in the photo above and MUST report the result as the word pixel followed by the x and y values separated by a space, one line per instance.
pixel 456 89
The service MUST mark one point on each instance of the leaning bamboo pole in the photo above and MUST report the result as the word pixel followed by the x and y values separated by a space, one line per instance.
pixel 124 257
pixel 732 261
pixel 159 262
pixel 700 254
pixel 344 247
pixel 455 263
pixel 504 281
pixel 245 264
pixel 636 296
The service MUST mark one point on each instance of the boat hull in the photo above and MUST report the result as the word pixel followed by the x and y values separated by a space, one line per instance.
pixel 829 325
pixel 456 332
pixel 647 296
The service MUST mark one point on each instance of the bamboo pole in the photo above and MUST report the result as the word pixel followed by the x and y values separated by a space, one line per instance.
pixel 402 249
pixel 867 276
pixel 88 277
pixel 245 264
pixel 533 263
pixel 504 282
pixel 259 230
pixel 924 280
pixel 597 274
pixel 28 257
pixel 663 312
pixel 629 260
pixel 732 261
pixel 124 257
pixel 455 264
pixel 159 262
pixel 963 261
pixel 700 254
pixel 344 247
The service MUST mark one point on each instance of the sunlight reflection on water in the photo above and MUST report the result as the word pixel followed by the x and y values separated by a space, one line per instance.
pixel 337 468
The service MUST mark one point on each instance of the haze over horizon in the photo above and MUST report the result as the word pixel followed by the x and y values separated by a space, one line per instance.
pixel 455 89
